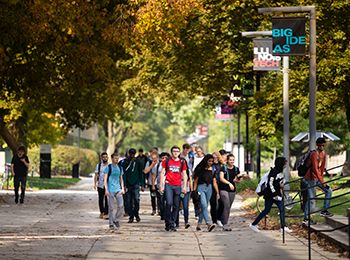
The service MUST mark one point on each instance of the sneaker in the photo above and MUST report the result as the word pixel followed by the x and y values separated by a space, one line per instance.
pixel 105 216
pixel 226 228
pixel 219 223
pixel 306 222
pixel 16 200
pixel 153 213
pixel 211 227
pixel 286 229
pixel 116 224
pixel 131 220
pixel 21 201
pixel 138 219
pixel 254 228
pixel 173 229
pixel 187 225
pixel 101 216
pixel 198 228
pixel 326 213
pixel 111 227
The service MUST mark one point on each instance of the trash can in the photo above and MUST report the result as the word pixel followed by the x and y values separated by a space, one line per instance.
pixel 75 170
pixel 45 165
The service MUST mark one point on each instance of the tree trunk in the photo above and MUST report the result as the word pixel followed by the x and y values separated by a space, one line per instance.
pixel 116 135
pixel 8 137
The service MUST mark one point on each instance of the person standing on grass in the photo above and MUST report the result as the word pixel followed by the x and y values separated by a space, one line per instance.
pixel 204 182
pixel 114 187
pixel 273 194
pixel 227 187
pixel 19 168
pixel 99 184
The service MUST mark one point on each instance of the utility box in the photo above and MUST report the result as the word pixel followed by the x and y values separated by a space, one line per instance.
pixel 45 161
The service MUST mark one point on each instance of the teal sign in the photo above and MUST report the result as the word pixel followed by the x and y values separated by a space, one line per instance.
pixel 288 36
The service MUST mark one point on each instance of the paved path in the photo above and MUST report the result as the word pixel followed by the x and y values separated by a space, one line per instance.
pixel 64 224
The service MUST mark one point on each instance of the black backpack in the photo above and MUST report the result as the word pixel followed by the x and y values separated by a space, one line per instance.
pixel 303 164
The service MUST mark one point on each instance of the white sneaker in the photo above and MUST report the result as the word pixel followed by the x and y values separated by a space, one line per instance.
pixel 286 229
pixel 219 223
pixel 254 228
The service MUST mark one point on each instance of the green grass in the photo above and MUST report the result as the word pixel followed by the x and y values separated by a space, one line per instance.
pixel 37 183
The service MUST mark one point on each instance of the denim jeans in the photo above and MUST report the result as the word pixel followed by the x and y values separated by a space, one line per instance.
pixel 311 193
pixel 205 195
pixel 185 204
pixel 102 200
pixel 268 205
pixel 172 197
pixel 20 181
pixel 133 200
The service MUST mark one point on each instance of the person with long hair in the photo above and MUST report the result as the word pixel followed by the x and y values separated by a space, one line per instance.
pixel 204 182
pixel 227 187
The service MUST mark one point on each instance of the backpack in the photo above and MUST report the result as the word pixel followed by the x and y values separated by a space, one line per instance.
pixel 262 185
pixel 99 170
pixel 303 164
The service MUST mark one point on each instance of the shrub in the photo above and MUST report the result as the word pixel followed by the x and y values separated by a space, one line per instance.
pixel 63 157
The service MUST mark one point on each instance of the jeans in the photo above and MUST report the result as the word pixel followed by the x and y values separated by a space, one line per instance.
pixel 268 205
pixel 185 201
pixel 172 197
pixel 311 193
pixel 102 200
pixel 115 203
pixel 205 195
pixel 20 180
pixel 133 200
pixel 227 199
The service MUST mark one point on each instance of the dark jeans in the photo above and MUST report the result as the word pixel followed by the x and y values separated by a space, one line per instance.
pixel 214 204
pixel 268 205
pixel 20 180
pixel 172 196
pixel 102 200
pixel 133 200
pixel 162 205
pixel 155 200
pixel 185 203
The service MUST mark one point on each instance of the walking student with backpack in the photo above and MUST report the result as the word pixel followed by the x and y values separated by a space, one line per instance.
pixel 99 184
pixel 19 168
pixel 174 173
pixel 114 186
pixel 314 178
pixel 150 170
pixel 273 194
pixel 133 179
pixel 204 182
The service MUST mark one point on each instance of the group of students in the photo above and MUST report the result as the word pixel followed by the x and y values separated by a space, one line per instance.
pixel 173 179
pixel 176 178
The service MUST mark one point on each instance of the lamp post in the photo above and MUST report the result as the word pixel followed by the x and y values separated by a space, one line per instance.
pixel 312 65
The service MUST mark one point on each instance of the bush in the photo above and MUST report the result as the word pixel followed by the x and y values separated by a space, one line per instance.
pixel 63 157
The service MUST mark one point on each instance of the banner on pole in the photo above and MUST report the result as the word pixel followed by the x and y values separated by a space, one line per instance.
pixel 288 34
pixel 263 56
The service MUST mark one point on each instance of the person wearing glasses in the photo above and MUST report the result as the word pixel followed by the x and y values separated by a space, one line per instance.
pixel 314 178
pixel 174 173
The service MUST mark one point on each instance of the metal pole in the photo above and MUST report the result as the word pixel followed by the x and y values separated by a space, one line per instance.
pixel 309 224
pixel 231 134
pixel 349 230
pixel 286 117
pixel 258 151
pixel 239 138
pixel 247 154
pixel 312 80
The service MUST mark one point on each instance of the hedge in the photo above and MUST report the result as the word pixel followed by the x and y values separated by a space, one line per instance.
pixel 63 157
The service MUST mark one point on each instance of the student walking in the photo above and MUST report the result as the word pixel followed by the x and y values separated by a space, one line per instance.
pixel 114 187
pixel 99 184
pixel 227 187
pixel 215 197
pixel 150 170
pixel 204 182
pixel 174 173
pixel 133 179
pixel 314 178
pixel 19 168
pixel 273 194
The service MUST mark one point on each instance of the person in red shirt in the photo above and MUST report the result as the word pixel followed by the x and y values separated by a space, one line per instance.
pixel 314 178
pixel 174 172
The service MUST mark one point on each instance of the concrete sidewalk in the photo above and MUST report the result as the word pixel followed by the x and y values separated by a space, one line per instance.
pixel 65 225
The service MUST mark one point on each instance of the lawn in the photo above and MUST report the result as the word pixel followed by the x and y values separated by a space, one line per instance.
pixel 37 183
